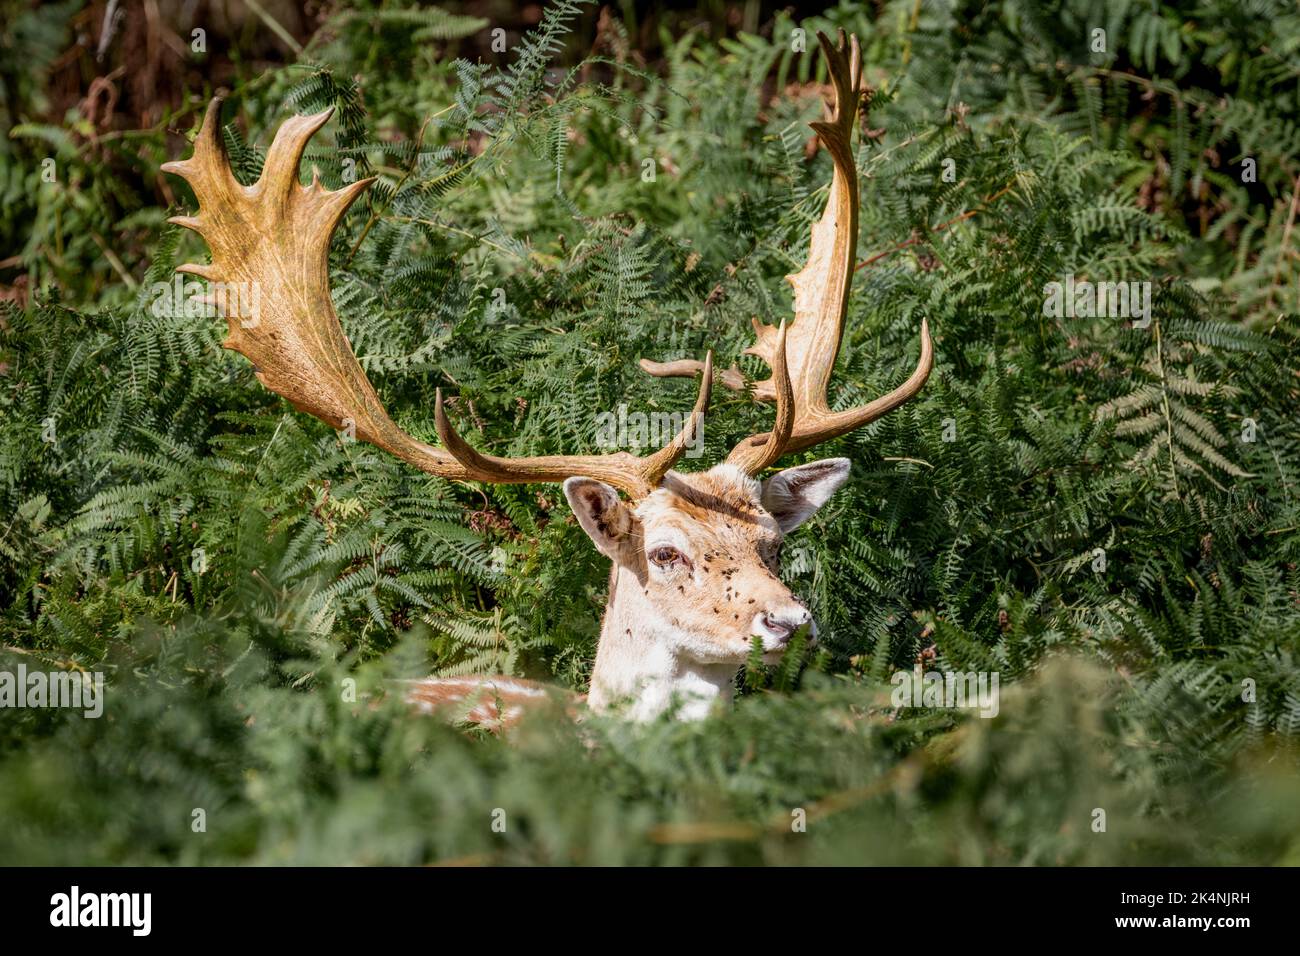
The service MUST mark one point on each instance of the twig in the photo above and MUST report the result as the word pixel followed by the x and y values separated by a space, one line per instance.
pixel 1286 242
pixel 460 232
pixel 374 215
pixel 1164 401
pixel 275 26
pixel 114 261
pixel 969 214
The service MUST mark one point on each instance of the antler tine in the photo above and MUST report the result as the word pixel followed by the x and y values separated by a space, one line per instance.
pixel 662 461
pixel 637 477
pixel 270 243
pixel 761 451
pixel 821 291
pixel 689 368
pixel 270 246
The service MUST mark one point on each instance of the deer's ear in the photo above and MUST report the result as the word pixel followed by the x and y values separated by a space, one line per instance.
pixel 791 496
pixel 606 519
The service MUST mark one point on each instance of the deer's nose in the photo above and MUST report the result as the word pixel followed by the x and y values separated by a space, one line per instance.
pixel 783 622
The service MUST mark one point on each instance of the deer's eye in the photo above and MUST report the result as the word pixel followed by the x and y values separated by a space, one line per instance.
pixel 666 557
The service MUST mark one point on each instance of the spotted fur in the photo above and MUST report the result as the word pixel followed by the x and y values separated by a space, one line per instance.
pixel 675 632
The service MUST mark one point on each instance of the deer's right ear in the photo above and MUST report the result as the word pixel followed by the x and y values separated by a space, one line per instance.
pixel 791 496
pixel 606 519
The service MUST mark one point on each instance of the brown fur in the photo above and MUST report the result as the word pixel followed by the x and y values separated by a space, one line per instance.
pixel 734 542
pixel 494 702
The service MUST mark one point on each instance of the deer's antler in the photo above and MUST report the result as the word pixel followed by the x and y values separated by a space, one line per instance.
pixel 273 237
pixel 802 357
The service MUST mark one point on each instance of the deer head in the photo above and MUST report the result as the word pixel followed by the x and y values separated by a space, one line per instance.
pixel 695 556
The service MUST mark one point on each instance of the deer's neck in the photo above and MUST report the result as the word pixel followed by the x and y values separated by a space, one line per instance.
pixel 640 660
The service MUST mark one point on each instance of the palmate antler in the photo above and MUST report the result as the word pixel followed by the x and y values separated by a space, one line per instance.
pixel 802 356
pixel 274 237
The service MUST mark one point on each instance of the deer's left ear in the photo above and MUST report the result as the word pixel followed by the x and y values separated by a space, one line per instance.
pixel 603 515
pixel 791 496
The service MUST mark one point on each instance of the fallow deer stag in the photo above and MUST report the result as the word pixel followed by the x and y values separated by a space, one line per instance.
pixel 695 556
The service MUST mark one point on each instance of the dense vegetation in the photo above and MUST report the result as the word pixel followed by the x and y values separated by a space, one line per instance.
pixel 1104 511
